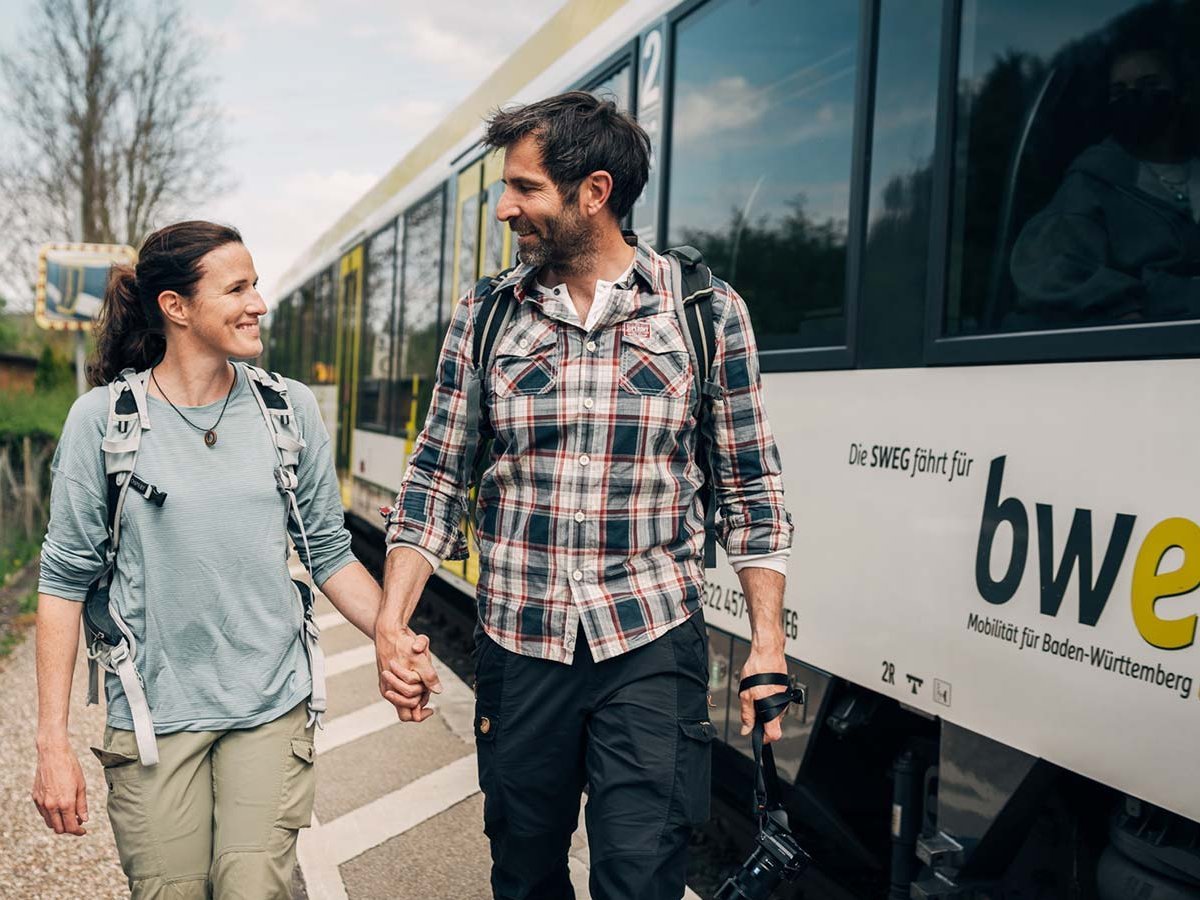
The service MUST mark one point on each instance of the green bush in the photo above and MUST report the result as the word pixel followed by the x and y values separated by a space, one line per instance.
pixel 38 415
pixel 53 370
pixel 16 554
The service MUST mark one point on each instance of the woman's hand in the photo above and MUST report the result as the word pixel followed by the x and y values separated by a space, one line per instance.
pixel 406 673
pixel 59 789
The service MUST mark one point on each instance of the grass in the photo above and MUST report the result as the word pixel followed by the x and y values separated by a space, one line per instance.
pixel 40 414
pixel 13 633
pixel 16 554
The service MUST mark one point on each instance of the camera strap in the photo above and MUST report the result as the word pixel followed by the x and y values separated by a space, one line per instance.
pixel 767 797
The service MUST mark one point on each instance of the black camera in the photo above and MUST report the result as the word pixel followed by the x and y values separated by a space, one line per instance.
pixel 776 858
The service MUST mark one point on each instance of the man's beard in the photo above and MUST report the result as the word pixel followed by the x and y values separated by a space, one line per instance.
pixel 565 244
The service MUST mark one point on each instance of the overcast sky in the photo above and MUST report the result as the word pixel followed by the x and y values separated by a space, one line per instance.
pixel 322 97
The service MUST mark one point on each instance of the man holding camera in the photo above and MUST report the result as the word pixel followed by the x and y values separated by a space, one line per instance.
pixel 591 665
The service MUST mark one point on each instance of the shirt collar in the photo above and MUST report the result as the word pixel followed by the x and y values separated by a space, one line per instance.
pixel 645 270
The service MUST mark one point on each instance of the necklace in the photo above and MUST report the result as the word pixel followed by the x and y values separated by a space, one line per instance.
pixel 1178 186
pixel 210 434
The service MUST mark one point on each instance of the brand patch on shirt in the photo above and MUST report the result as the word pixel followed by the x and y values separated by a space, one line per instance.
pixel 636 329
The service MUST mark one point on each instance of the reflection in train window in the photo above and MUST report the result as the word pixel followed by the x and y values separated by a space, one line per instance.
pixel 895 258
pixel 615 87
pixel 1077 190
pixel 277 349
pixel 761 134
pixel 321 291
pixel 417 344
pixel 493 260
pixel 468 242
pixel 375 341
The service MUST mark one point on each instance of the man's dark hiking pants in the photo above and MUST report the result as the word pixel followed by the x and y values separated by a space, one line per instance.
pixel 634 730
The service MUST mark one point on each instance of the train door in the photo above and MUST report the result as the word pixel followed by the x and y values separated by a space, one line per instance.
pixel 349 314
pixel 482 246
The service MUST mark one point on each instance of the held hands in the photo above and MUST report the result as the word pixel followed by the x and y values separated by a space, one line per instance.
pixel 406 674
pixel 59 789
pixel 762 660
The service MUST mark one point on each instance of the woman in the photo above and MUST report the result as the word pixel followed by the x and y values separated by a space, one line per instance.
pixel 1120 241
pixel 200 582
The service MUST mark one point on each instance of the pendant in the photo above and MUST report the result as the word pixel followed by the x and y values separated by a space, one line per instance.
pixel 210 438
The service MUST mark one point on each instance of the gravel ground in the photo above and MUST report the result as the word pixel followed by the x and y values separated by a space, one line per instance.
pixel 34 861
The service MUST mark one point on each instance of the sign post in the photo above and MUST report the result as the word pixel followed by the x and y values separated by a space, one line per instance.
pixel 70 289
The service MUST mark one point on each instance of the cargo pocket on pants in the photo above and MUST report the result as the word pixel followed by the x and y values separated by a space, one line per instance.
pixel 299 785
pixel 486 728
pixel 693 772
pixel 128 796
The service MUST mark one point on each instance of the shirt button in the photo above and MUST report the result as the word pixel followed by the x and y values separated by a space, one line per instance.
pixel 577 575
pixel 584 460
pixel 591 345
pixel 579 516
pixel 588 402
pixel 523 344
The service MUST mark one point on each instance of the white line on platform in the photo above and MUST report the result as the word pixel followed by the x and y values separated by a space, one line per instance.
pixel 330 620
pixel 349 659
pixel 358 724
pixel 322 879
pixel 369 826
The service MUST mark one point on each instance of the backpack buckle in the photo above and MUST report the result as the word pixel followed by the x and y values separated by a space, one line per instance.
pixel 285 479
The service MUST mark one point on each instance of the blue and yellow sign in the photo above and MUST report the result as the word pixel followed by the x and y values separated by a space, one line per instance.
pixel 71 282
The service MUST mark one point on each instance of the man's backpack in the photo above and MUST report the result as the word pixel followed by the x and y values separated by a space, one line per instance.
pixel 692 292
pixel 111 644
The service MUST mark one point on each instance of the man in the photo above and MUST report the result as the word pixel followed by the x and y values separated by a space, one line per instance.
pixel 591 667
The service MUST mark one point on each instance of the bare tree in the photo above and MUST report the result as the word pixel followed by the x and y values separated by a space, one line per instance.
pixel 111 126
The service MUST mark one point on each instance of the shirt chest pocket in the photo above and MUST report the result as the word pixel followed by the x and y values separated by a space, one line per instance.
pixel 527 361
pixel 654 358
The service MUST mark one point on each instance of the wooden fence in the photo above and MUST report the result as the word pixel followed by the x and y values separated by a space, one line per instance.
pixel 24 488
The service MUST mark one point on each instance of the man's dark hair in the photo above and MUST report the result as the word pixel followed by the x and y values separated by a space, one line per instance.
pixel 579 134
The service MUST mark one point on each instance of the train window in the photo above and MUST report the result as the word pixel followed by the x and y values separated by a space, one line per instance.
pixel 895 256
pixel 304 315
pixel 493 260
pixel 417 346
pixel 320 291
pixel 375 343
pixel 1076 191
pixel 759 180
pixel 468 244
pixel 615 87
pixel 278 336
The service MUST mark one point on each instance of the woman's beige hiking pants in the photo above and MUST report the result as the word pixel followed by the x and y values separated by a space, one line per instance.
pixel 218 816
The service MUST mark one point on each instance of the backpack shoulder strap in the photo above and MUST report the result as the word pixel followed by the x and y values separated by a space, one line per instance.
pixel 493 309
pixel 492 313
pixel 692 293
pixel 271 394
pixel 128 417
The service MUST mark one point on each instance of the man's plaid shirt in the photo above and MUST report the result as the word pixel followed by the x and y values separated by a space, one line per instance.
pixel 588 511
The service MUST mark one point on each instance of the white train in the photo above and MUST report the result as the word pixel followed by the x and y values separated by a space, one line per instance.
pixel 978 314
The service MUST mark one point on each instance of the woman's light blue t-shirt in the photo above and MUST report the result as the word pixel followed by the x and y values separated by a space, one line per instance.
pixel 202 581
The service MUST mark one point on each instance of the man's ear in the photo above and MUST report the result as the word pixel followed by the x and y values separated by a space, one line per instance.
pixel 173 308
pixel 594 192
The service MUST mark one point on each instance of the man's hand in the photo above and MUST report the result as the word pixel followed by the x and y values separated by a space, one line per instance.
pixel 406 674
pixel 761 661
pixel 59 789
pixel 764 599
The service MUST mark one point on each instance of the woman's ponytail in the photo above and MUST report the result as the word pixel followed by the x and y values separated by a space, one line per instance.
pixel 129 328
pixel 125 336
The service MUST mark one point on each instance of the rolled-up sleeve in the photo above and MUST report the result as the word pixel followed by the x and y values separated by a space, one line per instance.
pixel 747 471
pixel 318 496
pixel 431 503
pixel 76 542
